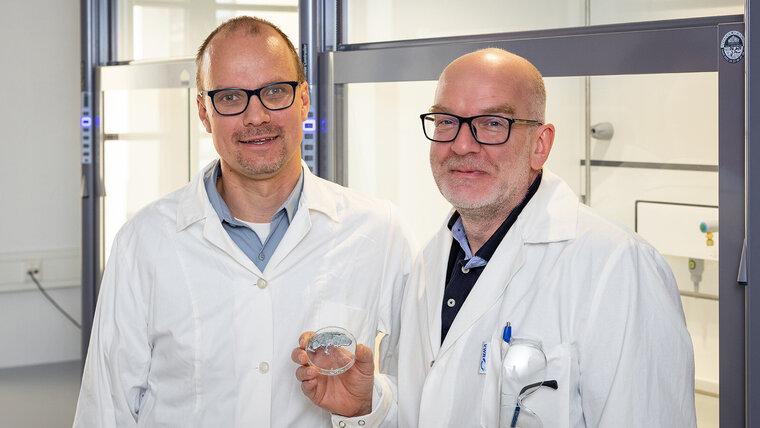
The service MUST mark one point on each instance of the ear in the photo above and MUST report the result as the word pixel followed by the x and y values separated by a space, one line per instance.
pixel 305 100
pixel 202 113
pixel 542 145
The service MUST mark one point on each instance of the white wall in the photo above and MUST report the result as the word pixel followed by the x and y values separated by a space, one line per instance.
pixel 40 176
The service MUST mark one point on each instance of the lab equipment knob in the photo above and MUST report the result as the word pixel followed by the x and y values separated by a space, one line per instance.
pixel 708 226
pixel 602 131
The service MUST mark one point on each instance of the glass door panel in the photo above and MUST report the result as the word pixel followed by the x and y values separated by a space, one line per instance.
pixel 387 154
pixel 145 151
pixel 619 11
pixel 373 21
pixel 390 20
pixel 162 29
pixel 658 174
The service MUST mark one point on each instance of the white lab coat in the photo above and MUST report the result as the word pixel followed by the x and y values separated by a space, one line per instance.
pixel 189 333
pixel 602 301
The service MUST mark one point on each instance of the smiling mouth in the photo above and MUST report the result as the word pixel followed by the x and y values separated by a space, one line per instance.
pixel 258 141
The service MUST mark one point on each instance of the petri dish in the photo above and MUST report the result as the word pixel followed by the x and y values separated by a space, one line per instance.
pixel 332 350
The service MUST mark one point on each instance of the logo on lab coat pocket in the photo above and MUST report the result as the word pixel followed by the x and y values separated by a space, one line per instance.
pixel 483 358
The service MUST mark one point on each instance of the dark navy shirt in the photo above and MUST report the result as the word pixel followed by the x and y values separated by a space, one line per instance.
pixel 464 268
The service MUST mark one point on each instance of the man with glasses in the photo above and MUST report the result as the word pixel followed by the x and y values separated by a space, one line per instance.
pixel 528 308
pixel 207 290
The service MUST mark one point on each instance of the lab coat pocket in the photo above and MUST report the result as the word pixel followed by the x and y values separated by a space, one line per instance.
pixel 489 410
pixel 553 406
pixel 351 318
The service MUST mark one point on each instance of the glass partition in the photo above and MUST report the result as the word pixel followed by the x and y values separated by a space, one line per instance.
pixel 375 21
pixel 145 151
pixel 657 173
pixel 161 29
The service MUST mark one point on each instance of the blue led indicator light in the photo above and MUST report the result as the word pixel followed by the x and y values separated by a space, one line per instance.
pixel 323 125
pixel 308 125
pixel 85 121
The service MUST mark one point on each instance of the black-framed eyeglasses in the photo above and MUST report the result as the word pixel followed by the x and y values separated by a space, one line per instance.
pixel 486 128
pixel 233 101
pixel 523 416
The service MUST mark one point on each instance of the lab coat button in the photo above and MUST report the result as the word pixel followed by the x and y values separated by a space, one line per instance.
pixel 262 283
pixel 451 303
pixel 264 367
pixel 361 422
pixel 342 424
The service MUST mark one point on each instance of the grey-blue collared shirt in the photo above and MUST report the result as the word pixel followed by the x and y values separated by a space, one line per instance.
pixel 245 238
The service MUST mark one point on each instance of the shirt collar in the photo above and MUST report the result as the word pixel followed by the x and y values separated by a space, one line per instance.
pixel 222 210
pixel 486 251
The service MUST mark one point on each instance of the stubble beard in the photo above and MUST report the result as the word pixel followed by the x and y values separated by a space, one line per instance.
pixel 488 205
pixel 256 166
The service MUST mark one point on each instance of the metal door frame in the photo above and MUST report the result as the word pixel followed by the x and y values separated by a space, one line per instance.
pixel 671 46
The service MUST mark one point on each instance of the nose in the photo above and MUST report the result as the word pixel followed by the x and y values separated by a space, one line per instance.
pixel 255 114
pixel 465 142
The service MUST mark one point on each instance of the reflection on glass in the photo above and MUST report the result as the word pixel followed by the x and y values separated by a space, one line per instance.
pixel 663 123
pixel 374 21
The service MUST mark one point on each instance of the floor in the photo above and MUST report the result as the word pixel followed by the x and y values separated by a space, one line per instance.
pixel 39 396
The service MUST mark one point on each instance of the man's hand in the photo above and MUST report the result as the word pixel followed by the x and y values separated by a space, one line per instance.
pixel 348 394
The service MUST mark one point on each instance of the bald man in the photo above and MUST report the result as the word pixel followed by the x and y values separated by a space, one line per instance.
pixel 207 289
pixel 528 306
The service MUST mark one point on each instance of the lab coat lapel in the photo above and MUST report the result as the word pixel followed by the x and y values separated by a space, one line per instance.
pixel 214 232
pixel 195 206
pixel 504 264
pixel 314 197
pixel 436 256
pixel 297 230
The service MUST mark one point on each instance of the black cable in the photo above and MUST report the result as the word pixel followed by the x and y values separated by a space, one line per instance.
pixel 44 293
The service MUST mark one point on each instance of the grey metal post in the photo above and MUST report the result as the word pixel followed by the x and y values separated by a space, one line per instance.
pixel 731 197
pixel 95 50
pixel 308 13
pixel 319 33
pixel 752 216
pixel 89 205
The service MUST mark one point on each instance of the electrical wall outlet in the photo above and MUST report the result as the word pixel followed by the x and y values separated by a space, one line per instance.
pixel 35 266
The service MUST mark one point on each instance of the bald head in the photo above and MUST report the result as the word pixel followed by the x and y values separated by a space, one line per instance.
pixel 496 66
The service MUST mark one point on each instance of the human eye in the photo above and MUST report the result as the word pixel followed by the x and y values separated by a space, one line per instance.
pixel 229 97
pixel 497 122
pixel 276 91
pixel 493 123
pixel 444 121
